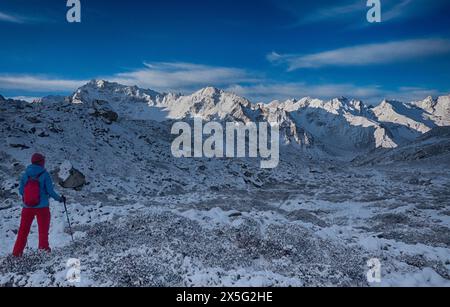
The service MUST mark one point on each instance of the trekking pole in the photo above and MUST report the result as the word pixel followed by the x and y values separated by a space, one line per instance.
pixel 68 221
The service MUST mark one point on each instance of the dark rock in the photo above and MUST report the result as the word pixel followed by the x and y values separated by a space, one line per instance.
pixel 76 180
pixel 235 214
pixel 21 146
pixel 43 134
pixel 307 217
pixel 214 188
pixel 248 174
pixel 103 110
pixel 34 120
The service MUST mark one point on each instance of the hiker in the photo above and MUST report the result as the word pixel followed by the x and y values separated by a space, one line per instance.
pixel 36 187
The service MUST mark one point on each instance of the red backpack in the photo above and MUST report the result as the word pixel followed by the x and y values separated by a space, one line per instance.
pixel 31 191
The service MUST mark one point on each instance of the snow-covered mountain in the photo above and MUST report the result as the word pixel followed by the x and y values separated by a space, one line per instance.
pixel 338 126
pixel 437 110
pixel 432 147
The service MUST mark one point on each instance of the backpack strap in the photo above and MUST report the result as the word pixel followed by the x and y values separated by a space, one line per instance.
pixel 38 176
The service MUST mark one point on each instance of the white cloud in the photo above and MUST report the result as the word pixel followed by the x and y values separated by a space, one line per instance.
pixel 178 76
pixel 37 83
pixel 22 19
pixel 281 91
pixel 175 76
pixel 355 12
pixel 370 54
pixel 187 77
pixel 334 12
pixel 11 18
pixel 373 94
pixel 400 10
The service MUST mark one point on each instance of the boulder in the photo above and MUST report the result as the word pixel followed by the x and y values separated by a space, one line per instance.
pixel 102 109
pixel 69 177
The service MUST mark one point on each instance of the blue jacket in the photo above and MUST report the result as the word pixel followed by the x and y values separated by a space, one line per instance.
pixel 46 185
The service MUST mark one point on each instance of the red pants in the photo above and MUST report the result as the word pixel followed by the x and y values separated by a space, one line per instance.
pixel 43 220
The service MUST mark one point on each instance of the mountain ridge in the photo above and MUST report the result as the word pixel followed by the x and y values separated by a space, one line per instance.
pixel 337 125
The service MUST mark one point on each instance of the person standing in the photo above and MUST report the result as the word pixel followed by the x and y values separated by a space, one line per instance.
pixel 36 189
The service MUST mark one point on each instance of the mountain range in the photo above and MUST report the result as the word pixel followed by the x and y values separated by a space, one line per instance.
pixel 339 126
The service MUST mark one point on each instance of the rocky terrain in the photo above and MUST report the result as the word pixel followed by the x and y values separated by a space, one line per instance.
pixel 354 183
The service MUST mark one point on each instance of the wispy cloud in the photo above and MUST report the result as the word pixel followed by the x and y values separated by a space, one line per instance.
pixel 4 17
pixel 265 92
pixel 37 83
pixel 403 9
pixel 353 12
pixel 25 19
pixel 182 76
pixel 334 12
pixel 188 77
pixel 160 76
pixel 363 55
pixel 282 91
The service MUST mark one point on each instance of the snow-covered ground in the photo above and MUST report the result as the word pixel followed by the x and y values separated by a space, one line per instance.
pixel 145 218
pixel 318 233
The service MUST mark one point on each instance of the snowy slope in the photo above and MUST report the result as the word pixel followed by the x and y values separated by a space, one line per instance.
pixel 437 109
pixel 431 148
pixel 342 124
pixel 129 101
pixel 406 122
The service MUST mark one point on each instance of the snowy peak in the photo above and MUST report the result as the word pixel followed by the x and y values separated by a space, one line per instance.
pixel 129 102
pixel 405 122
pixel 411 115
pixel 337 106
pixel 112 92
pixel 343 105
pixel 213 97
pixel 210 91
pixel 387 108
pixel 438 108
pixel 210 104
pixel 427 104
pixel 431 105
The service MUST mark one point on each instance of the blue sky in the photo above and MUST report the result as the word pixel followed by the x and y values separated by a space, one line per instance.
pixel 261 49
